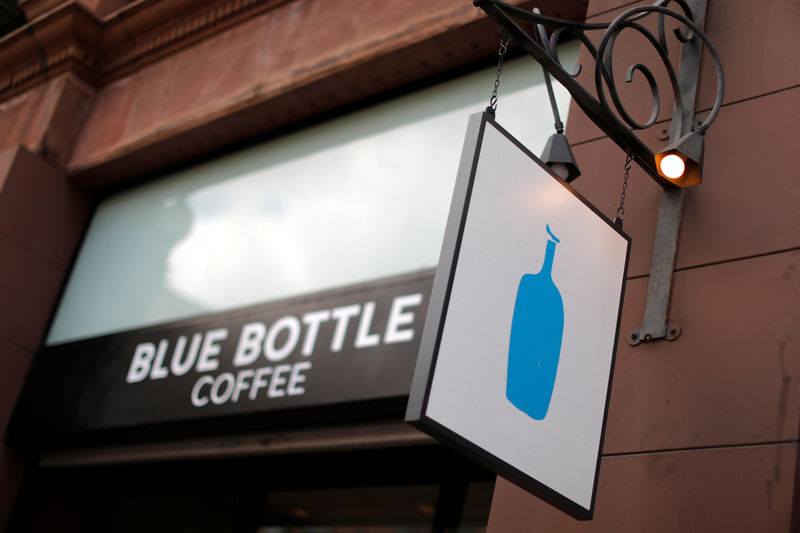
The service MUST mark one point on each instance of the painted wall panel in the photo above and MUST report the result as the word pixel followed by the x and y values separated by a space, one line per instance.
pixel 736 490
pixel 730 378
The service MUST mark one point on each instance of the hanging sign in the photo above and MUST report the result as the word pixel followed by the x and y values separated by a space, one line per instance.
pixel 518 348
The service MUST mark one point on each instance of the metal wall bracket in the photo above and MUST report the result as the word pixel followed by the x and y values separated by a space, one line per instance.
pixel 618 124
pixel 665 246
pixel 654 323
pixel 611 115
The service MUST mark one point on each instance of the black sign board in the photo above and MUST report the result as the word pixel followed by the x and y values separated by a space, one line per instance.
pixel 347 345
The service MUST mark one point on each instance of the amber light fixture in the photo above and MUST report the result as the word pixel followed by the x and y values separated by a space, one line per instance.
pixel 682 161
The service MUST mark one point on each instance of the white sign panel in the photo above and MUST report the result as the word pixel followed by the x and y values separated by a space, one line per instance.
pixel 519 342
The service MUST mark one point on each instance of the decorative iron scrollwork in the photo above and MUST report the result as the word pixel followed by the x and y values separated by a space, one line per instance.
pixel 612 116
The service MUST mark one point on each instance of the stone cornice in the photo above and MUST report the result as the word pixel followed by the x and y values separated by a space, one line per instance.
pixel 70 37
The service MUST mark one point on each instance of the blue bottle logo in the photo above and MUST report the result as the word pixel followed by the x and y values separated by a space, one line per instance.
pixel 535 342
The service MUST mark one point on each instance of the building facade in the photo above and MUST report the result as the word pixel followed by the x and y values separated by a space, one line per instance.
pixel 100 97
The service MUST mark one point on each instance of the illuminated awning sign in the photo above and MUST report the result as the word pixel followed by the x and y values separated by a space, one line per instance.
pixel 519 341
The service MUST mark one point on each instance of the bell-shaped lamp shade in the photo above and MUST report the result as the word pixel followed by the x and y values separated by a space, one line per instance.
pixel 558 156
pixel 682 161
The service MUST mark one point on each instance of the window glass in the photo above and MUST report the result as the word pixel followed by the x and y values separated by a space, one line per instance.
pixel 361 197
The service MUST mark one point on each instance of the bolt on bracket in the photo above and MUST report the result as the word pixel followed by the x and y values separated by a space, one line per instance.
pixel 671 332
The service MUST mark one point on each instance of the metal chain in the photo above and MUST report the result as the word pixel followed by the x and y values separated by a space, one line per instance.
pixel 621 208
pixel 504 41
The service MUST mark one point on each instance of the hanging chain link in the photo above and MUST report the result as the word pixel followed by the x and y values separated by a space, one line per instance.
pixel 504 41
pixel 621 208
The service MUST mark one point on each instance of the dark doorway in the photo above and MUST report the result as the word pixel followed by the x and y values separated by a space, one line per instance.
pixel 413 489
